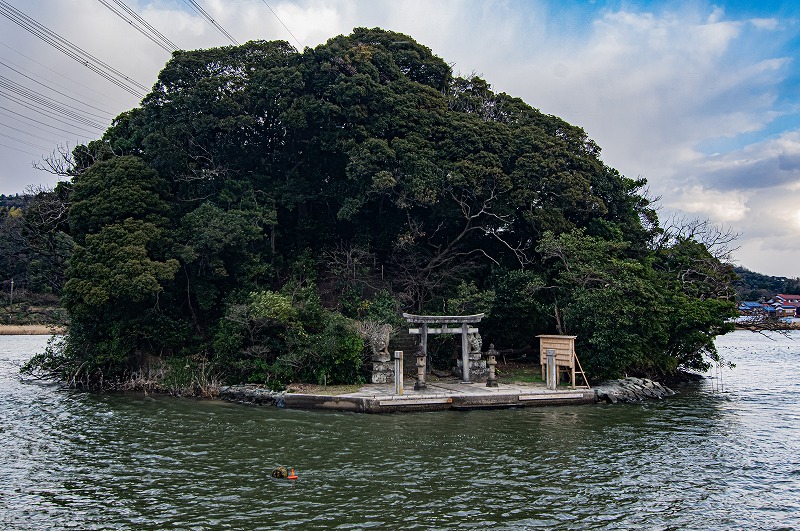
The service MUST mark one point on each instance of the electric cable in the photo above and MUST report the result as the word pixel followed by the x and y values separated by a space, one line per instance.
pixel 23 141
pixel 194 5
pixel 29 119
pixel 282 24
pixel 107 113
pixel 154 38
pixel 78 83
pixel 28 133
pixel 71 50
pixel 40 98
pixel 20 150
pixel 47 110
pixel 147 25
pixel 54 118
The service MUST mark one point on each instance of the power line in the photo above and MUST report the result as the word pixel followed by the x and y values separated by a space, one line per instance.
pixel 50 111
pixel 282 24
pixel 71 50
pixel 51 117
pixel 194 5
pixel 141 25
pixel 108 114
pixel 41 99
pixel 28 133
pixel 147 25
pixel 49 114
pixel 20 150
pixel 23 141
pixel 31 59
pixel 29 119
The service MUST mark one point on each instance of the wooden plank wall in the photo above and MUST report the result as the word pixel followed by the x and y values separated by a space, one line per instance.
pixel 564 348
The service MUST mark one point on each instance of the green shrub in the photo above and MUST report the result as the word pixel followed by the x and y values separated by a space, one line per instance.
pixel 340 352
pixel 275 338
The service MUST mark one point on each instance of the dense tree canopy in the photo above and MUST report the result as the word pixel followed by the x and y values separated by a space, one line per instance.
pixel 260 193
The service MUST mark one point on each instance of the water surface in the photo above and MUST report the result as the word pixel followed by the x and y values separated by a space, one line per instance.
pixel 705 459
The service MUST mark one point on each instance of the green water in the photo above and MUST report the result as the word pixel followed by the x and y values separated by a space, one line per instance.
pixel 702 460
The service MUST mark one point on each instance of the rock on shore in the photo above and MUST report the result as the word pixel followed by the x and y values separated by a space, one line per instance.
pixel 252 394
pixel 631 390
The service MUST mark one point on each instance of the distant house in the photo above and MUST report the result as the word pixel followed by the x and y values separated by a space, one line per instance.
pixel 751 308
pixel 769 309
pixel 782 306
pixel 787 309
pixel 755 311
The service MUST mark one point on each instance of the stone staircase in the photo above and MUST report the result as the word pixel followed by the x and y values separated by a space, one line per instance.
pixel 408 344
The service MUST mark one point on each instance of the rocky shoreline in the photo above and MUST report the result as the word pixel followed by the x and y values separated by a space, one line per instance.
pixel 252 394
pixel 631 390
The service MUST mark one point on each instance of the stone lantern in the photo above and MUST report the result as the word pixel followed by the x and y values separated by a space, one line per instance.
pixel 491 381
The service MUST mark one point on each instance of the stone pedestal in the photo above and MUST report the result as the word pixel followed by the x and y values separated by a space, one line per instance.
pixel 398 372
pixel 382 370
pixel 477 368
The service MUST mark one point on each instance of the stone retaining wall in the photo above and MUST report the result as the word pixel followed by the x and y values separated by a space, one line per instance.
pixel 624 390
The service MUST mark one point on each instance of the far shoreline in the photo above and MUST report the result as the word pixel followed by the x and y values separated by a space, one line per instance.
pixel 31 330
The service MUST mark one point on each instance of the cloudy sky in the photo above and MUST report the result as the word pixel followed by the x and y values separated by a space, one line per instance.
pixel 702 99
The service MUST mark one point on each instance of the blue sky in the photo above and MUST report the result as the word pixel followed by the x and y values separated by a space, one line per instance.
pixel 702 99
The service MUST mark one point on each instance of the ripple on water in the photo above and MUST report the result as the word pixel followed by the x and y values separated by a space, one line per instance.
pixel 700 460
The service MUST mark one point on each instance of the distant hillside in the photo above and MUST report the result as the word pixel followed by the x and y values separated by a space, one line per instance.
pixel 16 200
pixel 753 286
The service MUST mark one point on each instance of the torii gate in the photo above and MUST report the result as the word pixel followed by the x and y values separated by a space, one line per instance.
pixel 444 320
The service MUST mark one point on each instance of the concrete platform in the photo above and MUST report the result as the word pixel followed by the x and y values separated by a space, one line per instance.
pixel 441 395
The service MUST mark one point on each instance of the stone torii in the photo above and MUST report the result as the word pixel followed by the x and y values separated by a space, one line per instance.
pixel 464 329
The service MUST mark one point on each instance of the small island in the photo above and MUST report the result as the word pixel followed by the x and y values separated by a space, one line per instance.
pixel 266 214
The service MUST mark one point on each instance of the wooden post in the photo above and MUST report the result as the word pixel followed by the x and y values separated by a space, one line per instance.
pixel 572 374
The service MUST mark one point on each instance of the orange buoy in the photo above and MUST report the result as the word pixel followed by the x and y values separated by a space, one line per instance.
pixel 292 475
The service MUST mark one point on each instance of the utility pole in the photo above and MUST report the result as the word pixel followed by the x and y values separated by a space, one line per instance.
pixel 11 296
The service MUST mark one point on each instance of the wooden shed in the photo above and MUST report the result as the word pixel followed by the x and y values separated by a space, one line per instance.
pixel 566 359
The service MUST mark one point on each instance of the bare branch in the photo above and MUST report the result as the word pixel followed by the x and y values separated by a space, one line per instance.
pixel 718 239
pixel 60 162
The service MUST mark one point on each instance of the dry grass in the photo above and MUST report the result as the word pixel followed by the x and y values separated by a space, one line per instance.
pixel 326 390
pixel 30 330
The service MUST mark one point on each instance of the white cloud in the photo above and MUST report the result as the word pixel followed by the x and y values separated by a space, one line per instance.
pixel 723 207
pixel 651 88
pixel 765 23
